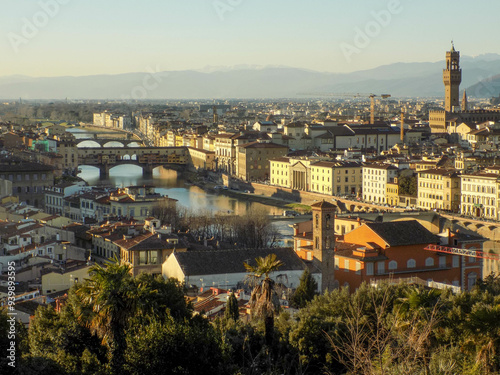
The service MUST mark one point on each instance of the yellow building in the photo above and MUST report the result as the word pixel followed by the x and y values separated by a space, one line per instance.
pixel 202 159
pixel 392 193
pixel 336 178
pixel 439 189
pixel 280 170
pixel 57 279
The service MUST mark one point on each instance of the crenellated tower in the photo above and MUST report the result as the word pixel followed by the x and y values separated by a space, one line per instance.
pixel 452 77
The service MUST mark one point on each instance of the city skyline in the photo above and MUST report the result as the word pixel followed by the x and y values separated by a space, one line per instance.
pixel 65 37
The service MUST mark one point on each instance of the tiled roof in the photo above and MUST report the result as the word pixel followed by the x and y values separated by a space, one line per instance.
pixel 231 261
pixel 323 204
pixel 262 145
pixel 403 233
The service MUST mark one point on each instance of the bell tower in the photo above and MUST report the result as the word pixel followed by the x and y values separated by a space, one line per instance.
pixel 324 242
pixel 452 77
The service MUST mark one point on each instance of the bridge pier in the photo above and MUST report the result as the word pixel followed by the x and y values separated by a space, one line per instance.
pixel 103 171
pixel 147 170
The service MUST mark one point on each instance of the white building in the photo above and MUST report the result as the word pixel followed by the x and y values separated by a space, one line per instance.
pixel 225 268
pixel 375 179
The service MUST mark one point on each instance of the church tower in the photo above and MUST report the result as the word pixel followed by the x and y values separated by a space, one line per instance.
pixel 324 242
pixel 465 104
pixel 452 76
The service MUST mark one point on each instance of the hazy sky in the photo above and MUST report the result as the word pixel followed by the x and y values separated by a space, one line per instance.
pixel 81 37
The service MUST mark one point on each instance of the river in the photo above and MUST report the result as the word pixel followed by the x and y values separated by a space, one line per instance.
pixel 168 182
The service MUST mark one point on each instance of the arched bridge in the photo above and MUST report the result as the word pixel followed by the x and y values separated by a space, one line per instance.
pixel 103 141
pixel 486 228
pixel 148 158
pixel 358 206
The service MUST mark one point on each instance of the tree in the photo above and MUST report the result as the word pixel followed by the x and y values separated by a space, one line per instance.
pixel 306 290
pixel 264 300
pixel 57 339
pixel 232 309
pixel 159 298
pixel 108 301
pixel 408 185
pixel 170 347
pixel 483 334
pixel 490 283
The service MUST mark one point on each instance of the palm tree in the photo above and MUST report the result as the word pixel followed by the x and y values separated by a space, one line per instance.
pixel 264 300
pixel 108 301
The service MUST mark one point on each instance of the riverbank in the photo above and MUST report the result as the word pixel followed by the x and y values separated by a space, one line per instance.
pixel 205 183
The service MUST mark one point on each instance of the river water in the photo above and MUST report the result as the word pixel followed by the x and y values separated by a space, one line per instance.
pixel 168 182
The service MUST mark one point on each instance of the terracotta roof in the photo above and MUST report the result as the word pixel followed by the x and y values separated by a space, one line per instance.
pixel 403 233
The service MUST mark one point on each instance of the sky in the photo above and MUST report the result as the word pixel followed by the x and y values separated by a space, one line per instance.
pixel 85 37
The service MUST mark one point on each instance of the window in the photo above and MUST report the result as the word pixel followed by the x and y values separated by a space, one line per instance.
pixel 442 262
pixel 429 262
pixel 471 280
pixel 358 268
pixel 455 261
pixel 346 265
pixel 393 265
pixel 337 266
pixel 380 267
pixel 369 269
pixel 411 263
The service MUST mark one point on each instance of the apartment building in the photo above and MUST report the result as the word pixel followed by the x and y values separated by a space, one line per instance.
pixel 336 178
pixel 29 180
pixel 479 192
pixel 439 189
pixel 253 159
pixel 375 179
pixel 280 172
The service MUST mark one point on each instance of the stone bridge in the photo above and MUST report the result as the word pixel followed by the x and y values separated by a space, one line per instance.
pixel 487 229
pixel 103 141
pixel 147 158
pixel 358 206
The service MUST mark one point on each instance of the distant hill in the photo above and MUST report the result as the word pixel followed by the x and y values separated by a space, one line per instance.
pixel 400 80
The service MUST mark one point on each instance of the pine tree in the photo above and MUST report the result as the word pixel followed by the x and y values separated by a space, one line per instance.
pixel 306 290
pixel 232 310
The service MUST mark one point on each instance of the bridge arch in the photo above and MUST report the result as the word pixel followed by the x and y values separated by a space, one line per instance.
pixel 113 143
pixel 135 144
pixel 88 143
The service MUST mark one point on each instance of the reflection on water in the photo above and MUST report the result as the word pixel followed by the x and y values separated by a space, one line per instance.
pixel 168 183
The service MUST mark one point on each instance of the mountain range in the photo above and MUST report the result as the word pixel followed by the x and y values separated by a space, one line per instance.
pixel 480 77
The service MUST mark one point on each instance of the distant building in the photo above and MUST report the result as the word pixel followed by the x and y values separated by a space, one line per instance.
pixel 29 180
pixel 253 159
pixel 265 126
pixel 441 120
